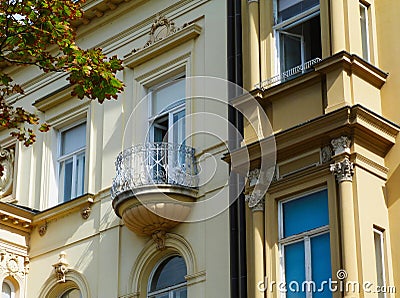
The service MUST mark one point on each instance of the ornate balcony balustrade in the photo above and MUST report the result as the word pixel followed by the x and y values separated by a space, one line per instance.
pixel 154 163
pixel 155 187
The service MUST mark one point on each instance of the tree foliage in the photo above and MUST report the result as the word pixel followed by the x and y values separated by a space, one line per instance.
pixel 41 33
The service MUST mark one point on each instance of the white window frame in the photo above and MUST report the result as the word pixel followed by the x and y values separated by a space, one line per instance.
pixel 381 262
pixel 279 28
pixel 63 158
pixel 169 113
pixel 304 236
pixel 169 290
pixel 367 54
pixel 10 284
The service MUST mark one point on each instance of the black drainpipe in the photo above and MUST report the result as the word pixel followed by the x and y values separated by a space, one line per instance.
pixel 237 219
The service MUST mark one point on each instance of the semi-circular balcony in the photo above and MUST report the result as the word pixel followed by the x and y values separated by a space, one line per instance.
pixel 155 186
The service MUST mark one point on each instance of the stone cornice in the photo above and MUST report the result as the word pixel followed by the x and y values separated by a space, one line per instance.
pixel 16 217
pixel 354 64
pixel 372 131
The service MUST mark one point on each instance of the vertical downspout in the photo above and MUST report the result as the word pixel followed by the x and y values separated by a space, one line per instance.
pixel 237 219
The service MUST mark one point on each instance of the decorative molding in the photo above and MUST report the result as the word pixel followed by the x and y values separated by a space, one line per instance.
pixel 13 265
pixel 85 212
pixel 7 164
pixel 154 48
pixel 61 267
pixel 326 154
pixel 253 177
pixel 341 145
pixel 159 239
pixel 343 170
pixel 255 200
pixel 42 229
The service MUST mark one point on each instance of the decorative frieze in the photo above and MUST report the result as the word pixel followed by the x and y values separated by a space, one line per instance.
pixel 341 145
pixel 61 267
pixel 343 170
pixel 12 264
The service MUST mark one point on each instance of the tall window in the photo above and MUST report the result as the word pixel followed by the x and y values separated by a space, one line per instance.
pixel 168 280
pixel 364 31
pixel 298 32
pixel 305 245
pixel 379 260
pixel 167 112
pixel 7 290
pixel 71 162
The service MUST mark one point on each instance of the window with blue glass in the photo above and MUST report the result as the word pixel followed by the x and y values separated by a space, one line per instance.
pixel 305 245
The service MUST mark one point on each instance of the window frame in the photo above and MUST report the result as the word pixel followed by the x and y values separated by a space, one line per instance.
pixel 166 112
pixel 382 262
pixel 279 27
pixel 304 237
pixel 365 7
pixel 168 290
pixel 11 285
pixel 62 158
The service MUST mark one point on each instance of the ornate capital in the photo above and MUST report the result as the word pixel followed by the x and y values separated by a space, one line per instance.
pixel 255 200
pixel 61 267
pixel 341 145
pixel 343 170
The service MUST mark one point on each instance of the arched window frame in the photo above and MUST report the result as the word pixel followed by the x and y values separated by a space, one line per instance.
pixel 168 290
pixel 11 285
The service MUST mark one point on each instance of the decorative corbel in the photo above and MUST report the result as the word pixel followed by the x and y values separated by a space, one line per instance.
pixel 61 267
pixel 159 239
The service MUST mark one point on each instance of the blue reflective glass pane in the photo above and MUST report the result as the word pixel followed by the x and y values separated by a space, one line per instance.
pixel 294 269
pixel 306 213
pixel 170 272
pixel 321 265
pixel 67 180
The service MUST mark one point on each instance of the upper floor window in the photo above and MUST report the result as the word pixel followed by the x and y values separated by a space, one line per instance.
pixel 168 280
pixel 71 161
pixel 167 112
pixel 364 23
pixel 298 33
pixel 305 244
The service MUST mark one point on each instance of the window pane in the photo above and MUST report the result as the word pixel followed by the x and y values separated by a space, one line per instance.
pixel 294 268
pixel 364 31
pixel 290 51
pixel 379 260
pixel 66 179
pixel 73 139
pixel 180 293
pixel 306 213
pixel 171 272
pixel 80 168
pixel 164 96
pixel 179 127
pixel 321 264
pixel 290 8
pixel 6 291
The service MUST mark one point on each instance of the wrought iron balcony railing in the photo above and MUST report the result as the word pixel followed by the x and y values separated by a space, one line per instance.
pixel 284 76
pixel 154 164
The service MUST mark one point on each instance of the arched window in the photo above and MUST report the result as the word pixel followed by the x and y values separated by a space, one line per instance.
pixel 7 290
pixel 168 279
pixel 72 293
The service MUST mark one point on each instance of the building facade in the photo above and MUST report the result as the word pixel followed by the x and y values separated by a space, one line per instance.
pixel 325 73
pixel 101 206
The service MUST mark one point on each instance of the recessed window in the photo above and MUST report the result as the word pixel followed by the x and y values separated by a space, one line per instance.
pixel 71 162
pixel 73 293
pixel 167 111
pixel 298 33
pixel 380 260
pixel 364 24
pixel 305 244
pixel 168 280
